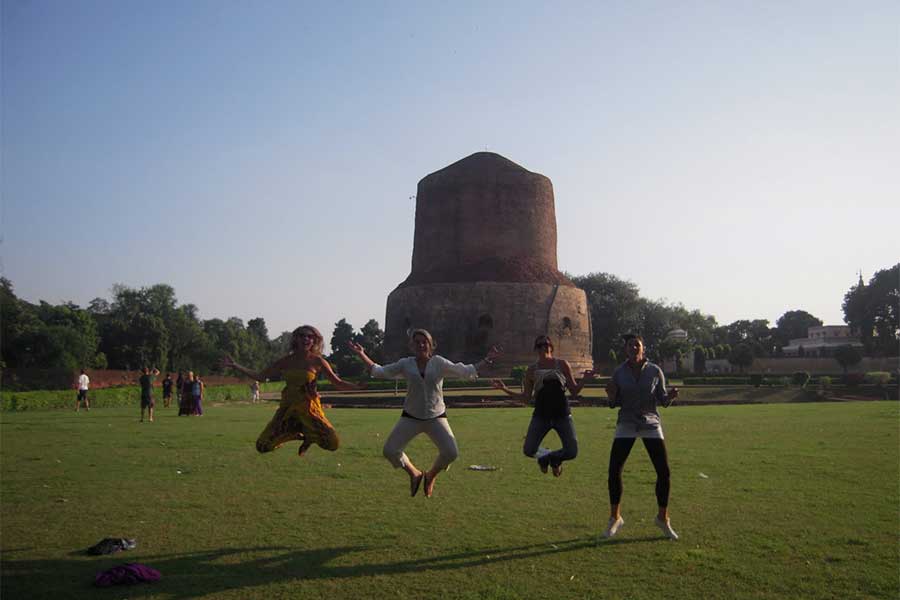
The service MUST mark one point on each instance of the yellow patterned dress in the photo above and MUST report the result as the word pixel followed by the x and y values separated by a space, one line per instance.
pixel 299 416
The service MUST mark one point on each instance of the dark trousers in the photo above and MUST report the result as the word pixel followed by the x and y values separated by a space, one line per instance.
pixel 540 427
pixel 656 448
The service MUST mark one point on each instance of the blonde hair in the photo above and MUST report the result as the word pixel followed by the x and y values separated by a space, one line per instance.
pixel 318 340
pixel 424 333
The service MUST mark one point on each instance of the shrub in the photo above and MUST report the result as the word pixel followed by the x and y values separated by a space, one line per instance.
pixel 800 378
pixel 716 380
pixel 825 382
pixel 879 377
pixel 518 373
pixel 756 380
pixel 853 379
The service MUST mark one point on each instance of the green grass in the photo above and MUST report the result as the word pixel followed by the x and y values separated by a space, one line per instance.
pixel 799 501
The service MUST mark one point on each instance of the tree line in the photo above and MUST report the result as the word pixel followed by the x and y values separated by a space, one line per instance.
pixel 147 326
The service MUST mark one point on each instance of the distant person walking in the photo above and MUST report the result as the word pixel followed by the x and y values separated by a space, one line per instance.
pixel 82 384
pixel 300 415
pixel 167 390
pixel 186 406
pixel 197 389
pixel 637 387
pixel 146 380
pixel 254 392
pixel 423 410
pixel 547 380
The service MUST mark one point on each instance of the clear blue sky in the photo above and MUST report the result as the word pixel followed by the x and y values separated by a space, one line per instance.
pixel 738 157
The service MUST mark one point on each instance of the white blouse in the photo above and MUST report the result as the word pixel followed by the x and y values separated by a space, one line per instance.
pixel 424 395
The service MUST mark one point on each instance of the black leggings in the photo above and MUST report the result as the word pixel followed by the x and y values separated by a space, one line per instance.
pixel 656 448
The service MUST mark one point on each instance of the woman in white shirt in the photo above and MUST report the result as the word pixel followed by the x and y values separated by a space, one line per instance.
pixel 423 409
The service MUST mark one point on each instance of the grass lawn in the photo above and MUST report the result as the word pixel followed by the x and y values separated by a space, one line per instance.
pixel 771 501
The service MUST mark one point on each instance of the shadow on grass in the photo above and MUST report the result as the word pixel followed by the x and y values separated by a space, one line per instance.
pixel 192 574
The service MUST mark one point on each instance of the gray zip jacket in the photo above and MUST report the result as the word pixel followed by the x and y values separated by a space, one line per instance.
pixel 639 398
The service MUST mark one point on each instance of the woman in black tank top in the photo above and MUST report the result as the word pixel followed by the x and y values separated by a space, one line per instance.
pixel 547 381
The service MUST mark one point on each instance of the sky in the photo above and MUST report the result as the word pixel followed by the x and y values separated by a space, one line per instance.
pixel 739 158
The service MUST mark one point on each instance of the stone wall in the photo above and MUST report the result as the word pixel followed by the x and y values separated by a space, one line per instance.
pixel 468 318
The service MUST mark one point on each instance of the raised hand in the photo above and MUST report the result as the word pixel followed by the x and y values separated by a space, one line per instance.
pixel 356 348
pixel 494 352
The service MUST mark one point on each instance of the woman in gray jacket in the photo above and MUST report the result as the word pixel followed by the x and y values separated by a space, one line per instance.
pixel 638 386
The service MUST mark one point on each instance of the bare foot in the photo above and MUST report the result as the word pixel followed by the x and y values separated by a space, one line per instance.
pixel 429 485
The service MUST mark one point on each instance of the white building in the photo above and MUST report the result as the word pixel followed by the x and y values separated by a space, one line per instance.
pixel 822 341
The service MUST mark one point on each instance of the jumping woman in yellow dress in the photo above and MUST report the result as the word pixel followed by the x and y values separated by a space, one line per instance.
pixel 300 415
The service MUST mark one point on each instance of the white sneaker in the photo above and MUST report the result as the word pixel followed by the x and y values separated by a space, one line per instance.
pixel 613 527
pixel 666 528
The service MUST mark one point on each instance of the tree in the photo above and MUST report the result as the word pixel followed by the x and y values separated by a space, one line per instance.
pixel 847 356
pixel 342 358
pixel 372 340
pixel 614 305
pixel 741 356
pixel 756 334
pixel 45 336
pixel 792 325
pixel 874 311
pixel 700 354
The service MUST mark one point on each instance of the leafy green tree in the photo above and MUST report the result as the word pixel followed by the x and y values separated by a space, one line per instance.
pixel 792 325
pixel 371 338
pixel 134 333
pixel 874 311
pixel 341 358
pixel 847 356
pixel 282 344
pixel 755 333
pixel 741 356
pixel 700 355
pixel 188 342
pixel 615 309
pixel 45 336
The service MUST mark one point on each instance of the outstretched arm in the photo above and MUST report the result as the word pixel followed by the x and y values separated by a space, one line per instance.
pixel 527 386
pixel 266 373
pixel 358 350
pixel 339 383
pixel 575 388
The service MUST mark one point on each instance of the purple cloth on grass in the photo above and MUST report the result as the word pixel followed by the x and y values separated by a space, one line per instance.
pixel 127 574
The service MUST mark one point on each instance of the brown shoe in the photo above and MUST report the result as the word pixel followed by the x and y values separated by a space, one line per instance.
pixel 414 483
